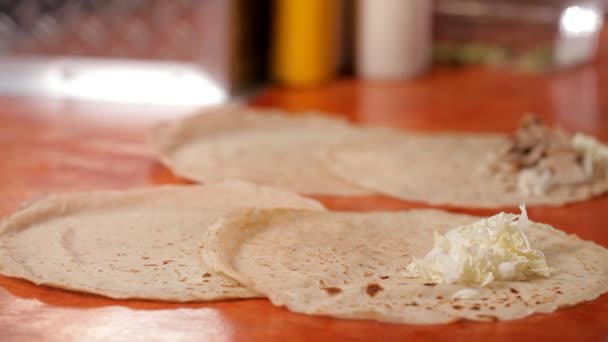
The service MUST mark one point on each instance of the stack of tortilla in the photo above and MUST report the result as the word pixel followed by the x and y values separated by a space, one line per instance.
pixel 236 237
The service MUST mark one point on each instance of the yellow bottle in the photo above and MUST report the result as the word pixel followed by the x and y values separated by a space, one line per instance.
pixel 305 41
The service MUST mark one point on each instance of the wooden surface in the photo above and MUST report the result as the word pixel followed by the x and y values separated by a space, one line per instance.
pixel 57 146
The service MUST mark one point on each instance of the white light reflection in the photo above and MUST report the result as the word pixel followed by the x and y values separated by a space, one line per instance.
pixel 578 20
pixel 135 82
pixel 579 28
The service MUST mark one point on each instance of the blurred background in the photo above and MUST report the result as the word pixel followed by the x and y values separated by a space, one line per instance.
pixel 199 52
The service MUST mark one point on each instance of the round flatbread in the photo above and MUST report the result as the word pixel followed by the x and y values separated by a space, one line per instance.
pixel 440 169
pixel 264 147
pixel 130 244
pixel 350 265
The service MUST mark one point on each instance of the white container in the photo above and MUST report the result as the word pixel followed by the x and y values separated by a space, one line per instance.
pixel 394 38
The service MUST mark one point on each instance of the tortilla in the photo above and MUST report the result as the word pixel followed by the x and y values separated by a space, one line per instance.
pixel 264 147
pixel 440 169
pixel 135 244
pixel 349 265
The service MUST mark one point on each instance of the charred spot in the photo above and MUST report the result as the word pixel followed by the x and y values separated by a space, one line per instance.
pixel 206 275
pixel 429 284
pixel 167 261
pixel 414 304
pixel 457 307
pixel 508 304
pixel 368 274
pixel 439 297
pixel 513 290
pixel 537 302
pixel 475 307
pixel 372 289
pixel 145 257
pixel 384 277
pixel 332 291
pixel 493 308
pixel 558 292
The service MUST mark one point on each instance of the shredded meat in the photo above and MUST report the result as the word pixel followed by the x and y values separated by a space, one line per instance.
pixel 534 145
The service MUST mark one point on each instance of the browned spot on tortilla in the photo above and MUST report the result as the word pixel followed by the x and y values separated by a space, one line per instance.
pixel 150 265
pixel 384 277
pixel 332 291
pixel 372 289
pixel 457 307
pixel 183 280
pixel 145 257
pixel 492 308
pixel 475 307
pixel 429 284
pixel 414 304
pixel 488 317
pixel 132 270
pixel 439 297
pixel 206 275
pixel 513 290
pixel 167 261
pixel 538 302
pixel 368 274
pixel 558 292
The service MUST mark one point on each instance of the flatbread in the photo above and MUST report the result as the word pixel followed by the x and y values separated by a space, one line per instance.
pixel 130 244
pixel 440 169
pixel 264 147
pixel 349 265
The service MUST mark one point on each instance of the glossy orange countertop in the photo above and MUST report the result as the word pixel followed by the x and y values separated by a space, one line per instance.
pixel 55 146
